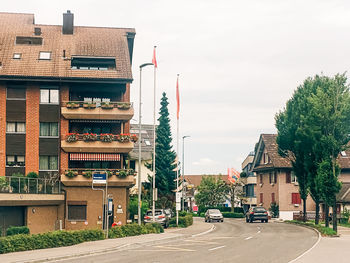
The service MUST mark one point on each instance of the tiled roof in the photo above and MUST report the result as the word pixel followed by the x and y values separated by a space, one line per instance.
pixel 196 179
pixel 86 41
pixel 277 161
pixel 344 193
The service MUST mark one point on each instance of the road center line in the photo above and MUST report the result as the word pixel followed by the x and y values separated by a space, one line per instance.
pixel 248 238
pixel 214 248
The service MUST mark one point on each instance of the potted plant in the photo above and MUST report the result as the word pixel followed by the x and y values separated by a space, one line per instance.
pixel 70 173
pixel 87 174
pixel 123 137
pixel 123 105
pixel 122 174
pixel 106 137
pixel 133 138
pixel 89 137
pixel 89 105
pixel 109 173
pixel 71 137
pixel 72 105
pixel 131 172
pixel 107 105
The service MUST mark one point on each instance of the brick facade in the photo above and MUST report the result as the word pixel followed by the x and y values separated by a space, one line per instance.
pixel 32 129
pixel 2 129
pixel 64 129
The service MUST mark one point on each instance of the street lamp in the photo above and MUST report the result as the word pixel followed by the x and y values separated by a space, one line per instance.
pixel 183 170
pixel 139 185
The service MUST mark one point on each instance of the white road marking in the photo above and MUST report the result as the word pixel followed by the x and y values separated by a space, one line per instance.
pixel 214 248
pixel 202 241
pixel 205 232
pixel 248 238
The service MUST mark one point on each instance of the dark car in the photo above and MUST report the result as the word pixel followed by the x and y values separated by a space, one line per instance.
pixel 213 215
pixel 257 213
pixel 161 217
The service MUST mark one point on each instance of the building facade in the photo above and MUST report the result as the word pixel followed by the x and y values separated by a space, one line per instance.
pixel 249 182
pixel 64 113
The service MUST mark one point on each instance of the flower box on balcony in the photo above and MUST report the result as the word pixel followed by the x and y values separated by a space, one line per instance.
pixel 107 106
pixel 71 174
pixel 122 174
pixel 124 106
pixel 71 137
pixel 106 137
pixel 87 174
pixel 89 105
pixel 123 137
pixel 89 137
pixel 133 138
pixel 72 105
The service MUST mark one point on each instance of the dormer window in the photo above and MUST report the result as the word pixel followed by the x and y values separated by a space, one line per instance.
pixel 343 153
pixel 29 40
pixel 93 63
pixel 45 55
pixel 17 56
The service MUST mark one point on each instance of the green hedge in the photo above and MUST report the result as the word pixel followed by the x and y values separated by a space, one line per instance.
pixel 135 230
pixel 16 230
pixel 24 242
pixel 232 215
pixel 184 221
pixel 203 209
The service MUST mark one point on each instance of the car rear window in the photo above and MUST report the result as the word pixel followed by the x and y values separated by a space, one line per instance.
pixel 259 209
pixel 149 213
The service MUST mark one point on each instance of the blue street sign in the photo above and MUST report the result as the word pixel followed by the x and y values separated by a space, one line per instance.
pixel 99 177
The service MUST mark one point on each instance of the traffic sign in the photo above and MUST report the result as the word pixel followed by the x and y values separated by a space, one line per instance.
pixel 99 177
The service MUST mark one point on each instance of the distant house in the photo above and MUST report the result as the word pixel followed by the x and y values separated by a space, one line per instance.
pixel 249 182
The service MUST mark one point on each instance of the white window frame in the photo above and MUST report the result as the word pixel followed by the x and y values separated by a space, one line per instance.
pixel 49 99
pixel 17 55
pixel 16 132
pixel 45 55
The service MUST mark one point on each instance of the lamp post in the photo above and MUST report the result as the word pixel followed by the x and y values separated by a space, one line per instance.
pixel 183 170
pixel 139 185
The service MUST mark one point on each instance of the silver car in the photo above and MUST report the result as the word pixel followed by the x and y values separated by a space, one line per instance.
pixel 161 217
pixel 213 215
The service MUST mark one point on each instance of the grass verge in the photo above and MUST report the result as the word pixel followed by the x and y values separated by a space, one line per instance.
pixel 325 231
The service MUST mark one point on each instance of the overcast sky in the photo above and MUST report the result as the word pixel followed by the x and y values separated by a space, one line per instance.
pixel 239 61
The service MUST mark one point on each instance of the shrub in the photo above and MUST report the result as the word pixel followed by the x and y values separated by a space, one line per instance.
pixel 274 209
pixel 202 214
pixel 232 215
pixel 184 221
pixel 132 229
pixel 17 183
pixel 15 230
pixel 24 242
pixel 203 209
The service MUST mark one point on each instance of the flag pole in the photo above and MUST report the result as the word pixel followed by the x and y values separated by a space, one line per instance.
pixel 154 137
pixel 177 146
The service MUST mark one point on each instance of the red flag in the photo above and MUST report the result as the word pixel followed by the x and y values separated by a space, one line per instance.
pixel 154 60
pixel 177 97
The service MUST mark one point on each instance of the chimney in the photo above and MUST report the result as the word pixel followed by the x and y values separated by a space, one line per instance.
pixel 68 23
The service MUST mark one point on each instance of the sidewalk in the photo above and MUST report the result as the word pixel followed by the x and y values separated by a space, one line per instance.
pixel 96 247
pixel 330 249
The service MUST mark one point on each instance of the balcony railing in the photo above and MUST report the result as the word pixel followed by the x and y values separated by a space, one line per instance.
pixel 97 110
pixel 87 172
pixel 103 143
pixel 25 185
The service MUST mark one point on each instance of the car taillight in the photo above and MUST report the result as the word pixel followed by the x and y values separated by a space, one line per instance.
pixel 252 213
pixel 266 213
pixel 161 216
pixel 147 217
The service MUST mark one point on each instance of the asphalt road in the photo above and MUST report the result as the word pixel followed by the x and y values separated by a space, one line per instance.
pixel 231 241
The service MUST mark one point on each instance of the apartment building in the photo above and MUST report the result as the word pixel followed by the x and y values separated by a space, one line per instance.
pixel 249 182
pixel 65 112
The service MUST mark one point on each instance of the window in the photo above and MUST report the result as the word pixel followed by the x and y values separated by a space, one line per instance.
pixel 15 127
pixel 97 165
pixel 294 178
pixel 132 164
pixel 49 96
pixel 261 198
pixel 296 198
pixel 261 178
pixel 48 129
pixel 29 40
pixel 77 212
pixel 16 93
pixel 266 158
pixel 273 177
pixel 15 160
pixel 45 55
pixel 48 163
pixel 17 56
pixel 93 63
pixel 288 177
pixel 273 200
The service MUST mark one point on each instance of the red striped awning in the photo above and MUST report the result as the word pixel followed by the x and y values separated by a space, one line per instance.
pixel 94 157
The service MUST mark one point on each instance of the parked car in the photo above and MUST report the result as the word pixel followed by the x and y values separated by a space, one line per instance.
pixel 257 213
pixel 213 215
pixel 161 217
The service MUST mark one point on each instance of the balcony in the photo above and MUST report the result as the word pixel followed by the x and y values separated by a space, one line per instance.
pixel 103 143
pixel 251 180
pixel 80 110
pixel 83 177
pixel 16 191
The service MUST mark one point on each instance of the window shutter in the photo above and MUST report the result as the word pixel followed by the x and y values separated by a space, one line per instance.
pixel 293 198
pixel 288 178
pixel 275 177
pixel 270 177
pixel 261 198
